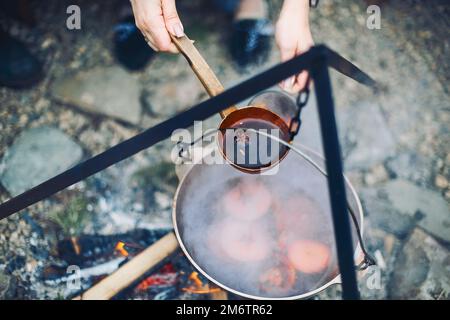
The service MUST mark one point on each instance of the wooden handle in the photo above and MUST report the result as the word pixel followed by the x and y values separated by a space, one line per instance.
pixel 204 73
pixel 132 270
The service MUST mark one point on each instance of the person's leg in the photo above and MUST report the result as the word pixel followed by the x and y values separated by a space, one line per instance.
pixel 251 9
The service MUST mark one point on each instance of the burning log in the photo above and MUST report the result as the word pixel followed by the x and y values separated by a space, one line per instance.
pixel 86 273
pixel 132 270
pixel 92 248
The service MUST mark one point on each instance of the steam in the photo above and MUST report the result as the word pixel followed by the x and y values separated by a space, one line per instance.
pixel 210 233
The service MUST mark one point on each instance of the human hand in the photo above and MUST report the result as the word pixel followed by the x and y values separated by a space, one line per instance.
pixel 293 37
pixel 156 19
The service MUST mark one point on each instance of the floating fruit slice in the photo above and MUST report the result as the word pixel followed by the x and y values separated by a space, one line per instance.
pixel 309 256
pixel 245 242
pixel 247 200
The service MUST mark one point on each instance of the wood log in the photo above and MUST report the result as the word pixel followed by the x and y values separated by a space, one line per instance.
pixel 123 277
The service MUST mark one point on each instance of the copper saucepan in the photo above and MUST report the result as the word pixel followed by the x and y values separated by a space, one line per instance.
pixel 253 117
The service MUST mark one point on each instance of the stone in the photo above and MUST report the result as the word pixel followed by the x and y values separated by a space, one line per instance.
pixel 4 284
pixel 441 182
pixel 173 97
pixel 376 175
pixel 35 156
pixel 411 166
pixel 429 207
pixel 367 138
pixel 422 270
pixel 111 92
pixel 381 214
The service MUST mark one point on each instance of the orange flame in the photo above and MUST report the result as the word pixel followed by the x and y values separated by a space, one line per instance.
pixel 120 247
pixel 202 291
pixel 198 287
pixel 195 278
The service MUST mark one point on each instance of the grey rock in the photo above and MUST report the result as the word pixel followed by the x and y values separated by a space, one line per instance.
pixel 367 138
pixel 8 284
pixel 411 166
pixel 108 91
pixel 382 215
pixel 172 97
pixel 4 284
pixel 422 270
pixel 429 207
pixel 376 175
pixel 35 156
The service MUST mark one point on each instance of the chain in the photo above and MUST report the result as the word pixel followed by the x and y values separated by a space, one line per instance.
pixel 301 101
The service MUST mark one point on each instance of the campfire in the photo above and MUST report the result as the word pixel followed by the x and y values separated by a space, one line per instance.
pixel 138 265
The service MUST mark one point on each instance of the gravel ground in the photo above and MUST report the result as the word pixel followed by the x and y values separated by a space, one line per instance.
pixel 395 142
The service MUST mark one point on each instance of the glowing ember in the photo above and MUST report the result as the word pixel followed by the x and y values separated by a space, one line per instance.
pixel 166 277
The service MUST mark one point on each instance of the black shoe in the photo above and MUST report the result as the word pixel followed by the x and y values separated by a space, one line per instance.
pixel 130 47
pixel 250 41
pixel 18 67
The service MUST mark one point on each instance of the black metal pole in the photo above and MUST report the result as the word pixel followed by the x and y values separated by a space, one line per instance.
pixel 163 130
pixel 336 185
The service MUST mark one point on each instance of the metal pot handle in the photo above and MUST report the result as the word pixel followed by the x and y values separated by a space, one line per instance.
pixel 367 260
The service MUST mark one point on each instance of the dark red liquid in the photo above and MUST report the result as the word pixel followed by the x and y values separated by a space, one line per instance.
pixel 251 150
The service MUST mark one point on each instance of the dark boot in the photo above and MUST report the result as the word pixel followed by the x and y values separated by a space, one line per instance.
pixel 130 47
pixel 250 41
pixel 18 67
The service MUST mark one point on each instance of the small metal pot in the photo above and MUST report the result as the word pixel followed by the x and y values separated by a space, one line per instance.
pixel 233 117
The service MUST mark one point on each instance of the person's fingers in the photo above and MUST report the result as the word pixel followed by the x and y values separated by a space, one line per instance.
pixel 287 51
pixel 161 39
pixel 150 21
pixel 171 18
pixel 300 82
pixel 303 45
pixel 151 43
